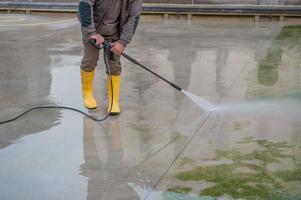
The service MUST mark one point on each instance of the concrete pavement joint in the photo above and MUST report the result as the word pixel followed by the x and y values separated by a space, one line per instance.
pixel 179 154
pixel 150 156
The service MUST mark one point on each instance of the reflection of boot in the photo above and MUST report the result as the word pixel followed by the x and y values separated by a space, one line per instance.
pixel 92 167
pixel 115 147
pixel 87 89
pixel 115 136
pixel 115 110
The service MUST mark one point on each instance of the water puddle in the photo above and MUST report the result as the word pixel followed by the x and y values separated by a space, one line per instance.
pixel 42 165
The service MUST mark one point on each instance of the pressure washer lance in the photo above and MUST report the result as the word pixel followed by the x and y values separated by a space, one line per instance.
pixel 106 44
pixel 202 103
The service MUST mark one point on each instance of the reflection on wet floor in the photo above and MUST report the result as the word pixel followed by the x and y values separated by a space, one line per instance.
pixel 163 146
pixel 104 164
pixel 283 54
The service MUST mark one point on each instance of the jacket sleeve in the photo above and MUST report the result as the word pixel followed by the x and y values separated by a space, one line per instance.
pixel 130 26
pixel 85 15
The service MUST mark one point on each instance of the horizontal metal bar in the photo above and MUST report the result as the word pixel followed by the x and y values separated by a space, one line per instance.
pixel 166 8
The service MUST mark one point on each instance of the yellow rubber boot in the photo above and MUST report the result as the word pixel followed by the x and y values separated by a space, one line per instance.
pixel 115 110
pixel 87 89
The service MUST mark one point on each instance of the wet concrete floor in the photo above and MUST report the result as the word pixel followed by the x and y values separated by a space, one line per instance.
pixel 162 146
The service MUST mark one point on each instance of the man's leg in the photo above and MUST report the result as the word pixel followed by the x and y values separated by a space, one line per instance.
pixel 113 83
pixel 88 65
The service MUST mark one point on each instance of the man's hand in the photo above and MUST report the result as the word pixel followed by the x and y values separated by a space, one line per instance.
pixel 99 39
pixel 117 48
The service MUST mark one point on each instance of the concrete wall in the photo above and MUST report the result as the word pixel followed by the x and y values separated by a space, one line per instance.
pixel 253 2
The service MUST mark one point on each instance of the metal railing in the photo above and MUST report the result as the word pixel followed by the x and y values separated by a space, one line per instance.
pixel 170 9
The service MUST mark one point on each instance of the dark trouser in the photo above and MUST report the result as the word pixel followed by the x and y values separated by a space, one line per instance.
pixel 91 56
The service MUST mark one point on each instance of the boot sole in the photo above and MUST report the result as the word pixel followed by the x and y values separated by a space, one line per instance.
pixel 114 113
pixel 91 108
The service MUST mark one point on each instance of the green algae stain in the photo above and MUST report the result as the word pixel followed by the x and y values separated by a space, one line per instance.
pixel 180 189
pixel 246 140
pixel 238 191
pixel 227 181
pixel 187 161
pixel 180 196
pixel 247 176
pixel 288 38
pixel 290 175
pixel 290 35
pixel 267 72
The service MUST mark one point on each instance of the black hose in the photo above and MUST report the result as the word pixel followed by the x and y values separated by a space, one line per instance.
pixel 133 60
pixel 54 107
pixel 106 54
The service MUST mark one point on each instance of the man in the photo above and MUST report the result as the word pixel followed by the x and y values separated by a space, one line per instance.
pixel 112 20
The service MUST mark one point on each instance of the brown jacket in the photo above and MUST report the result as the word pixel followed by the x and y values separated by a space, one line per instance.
pixel 92 12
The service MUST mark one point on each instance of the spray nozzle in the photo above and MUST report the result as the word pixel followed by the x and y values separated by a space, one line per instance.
pixel 105 44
